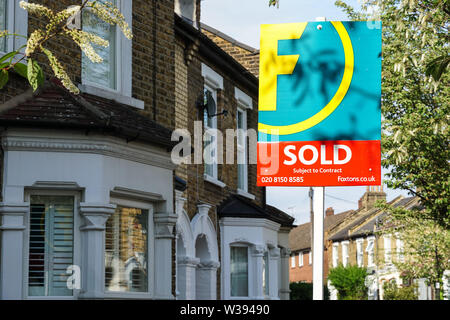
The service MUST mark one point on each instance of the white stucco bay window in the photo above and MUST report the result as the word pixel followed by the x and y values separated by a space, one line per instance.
pixel 345 255
pixel 83 208
pixel 251 259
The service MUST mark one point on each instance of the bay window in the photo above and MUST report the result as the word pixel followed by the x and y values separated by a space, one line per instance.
pixel 51 245
pixel 239 271
pixel 126 250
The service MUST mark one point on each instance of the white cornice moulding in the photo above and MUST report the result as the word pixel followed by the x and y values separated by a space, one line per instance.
pixel 96 146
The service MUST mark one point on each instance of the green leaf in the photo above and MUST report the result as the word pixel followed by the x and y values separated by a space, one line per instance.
pixel 34 74
pixel 8 55
pixel 437 67
pixel 4 77
pixel 21 69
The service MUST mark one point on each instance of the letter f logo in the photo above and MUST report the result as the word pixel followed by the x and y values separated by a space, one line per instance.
pixel 271 64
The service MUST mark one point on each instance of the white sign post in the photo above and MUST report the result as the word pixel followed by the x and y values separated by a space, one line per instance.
pixel 318 209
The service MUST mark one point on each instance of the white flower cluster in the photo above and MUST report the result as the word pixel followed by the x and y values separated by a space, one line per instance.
pixel 3 33
pixel 59 71
pixel 33 42
pixel 109 13
pixel 83 40
pixel 36 9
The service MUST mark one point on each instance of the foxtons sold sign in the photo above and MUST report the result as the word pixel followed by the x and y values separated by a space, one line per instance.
pixel 320 104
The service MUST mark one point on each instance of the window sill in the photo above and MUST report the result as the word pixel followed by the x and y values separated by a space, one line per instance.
pixel 112 95
pixel 214 181
pixel 245 194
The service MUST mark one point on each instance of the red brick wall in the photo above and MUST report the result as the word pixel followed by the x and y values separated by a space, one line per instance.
pixel 305 273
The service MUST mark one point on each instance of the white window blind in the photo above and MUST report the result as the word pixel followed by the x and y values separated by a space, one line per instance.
pixel 310 257
pixel 293 261
pixel 239 271
pixel 50 245
pixel 300 259
pixel 126 244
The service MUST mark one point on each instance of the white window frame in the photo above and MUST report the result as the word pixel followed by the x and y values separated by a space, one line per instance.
pixel 212 82
pixel 310 257
pixel 293 261
pixel 399 248
pixel 248 270
pixel 18 24
pixel 360 252
pixel 345 255
pixel 76 240
pixel 243 149
pixel 387 248
pixel 150 252
pixel 123 66
pixel 335 254
pixel 300 259
pixel 370 249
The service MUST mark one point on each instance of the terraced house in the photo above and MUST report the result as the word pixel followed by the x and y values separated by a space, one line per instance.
pixel 92 206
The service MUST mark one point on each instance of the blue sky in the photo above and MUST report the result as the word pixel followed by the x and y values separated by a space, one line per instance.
pixel 241 19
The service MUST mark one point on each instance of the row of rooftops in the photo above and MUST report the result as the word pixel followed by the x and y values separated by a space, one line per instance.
pixel 348 225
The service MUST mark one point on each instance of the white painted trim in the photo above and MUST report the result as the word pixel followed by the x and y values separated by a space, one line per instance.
pixel 214 181
pixel 212 78
pixel 246 194
pixel 37 140
pixel 123 65
pixel 111 94
pixel 244 100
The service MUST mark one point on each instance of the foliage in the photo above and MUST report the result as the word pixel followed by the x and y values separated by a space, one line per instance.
pixel 274 3
pixel 304 291
pixel 415 105
pixel 58 26
pixel 426 244
pixel 393 292
pixel 349 282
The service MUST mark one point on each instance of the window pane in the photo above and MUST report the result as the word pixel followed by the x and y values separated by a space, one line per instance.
pixel 239 271
pixel 265 274
pixel 102 74
pixel 126 250
pixel 51 245
pixel 209 121
pixel 3 22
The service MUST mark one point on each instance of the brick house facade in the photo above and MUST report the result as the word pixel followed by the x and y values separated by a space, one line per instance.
pixel 101 163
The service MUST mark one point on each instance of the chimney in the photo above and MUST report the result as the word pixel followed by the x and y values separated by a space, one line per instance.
pixel 189 10
pixel 329 212
pixel 372 195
